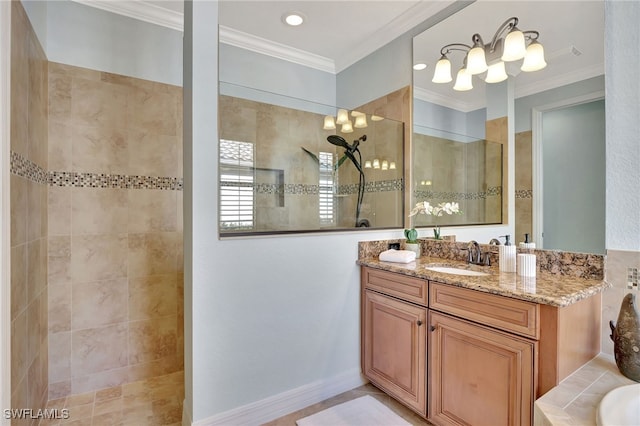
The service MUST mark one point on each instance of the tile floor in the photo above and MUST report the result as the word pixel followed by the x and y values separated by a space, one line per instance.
pixel 368 389
pixel 152 402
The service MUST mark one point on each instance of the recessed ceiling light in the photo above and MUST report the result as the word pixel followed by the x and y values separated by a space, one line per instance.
pixel 419 67
pixel 293 18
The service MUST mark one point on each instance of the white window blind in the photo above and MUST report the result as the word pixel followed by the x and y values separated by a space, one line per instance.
pixel 325 192
pixel 237 176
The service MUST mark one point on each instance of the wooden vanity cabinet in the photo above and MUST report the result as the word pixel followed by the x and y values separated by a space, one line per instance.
pixel 459 356
pixel 394 339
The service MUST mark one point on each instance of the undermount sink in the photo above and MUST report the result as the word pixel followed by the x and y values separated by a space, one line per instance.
pixel 620 407
pixel 455 271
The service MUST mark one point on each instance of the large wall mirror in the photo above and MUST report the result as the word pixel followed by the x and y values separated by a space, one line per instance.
pixel 300 169
pixel 554 118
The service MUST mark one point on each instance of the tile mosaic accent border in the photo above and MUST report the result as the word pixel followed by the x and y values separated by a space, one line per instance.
pixel 453 196
pixel 27 169
pixel 524 193
pixel 313 189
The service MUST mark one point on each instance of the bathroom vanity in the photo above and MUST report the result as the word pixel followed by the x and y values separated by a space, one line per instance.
pixel 473 349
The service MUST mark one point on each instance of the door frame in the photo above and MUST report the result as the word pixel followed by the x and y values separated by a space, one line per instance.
pixel 536 156
pixel 5 209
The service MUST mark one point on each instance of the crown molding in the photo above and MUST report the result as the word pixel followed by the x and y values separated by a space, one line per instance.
pixel 522 91
pixel 445 101
pixel 140 10
pixel 560 80
pixel 403 23
pixel 277 50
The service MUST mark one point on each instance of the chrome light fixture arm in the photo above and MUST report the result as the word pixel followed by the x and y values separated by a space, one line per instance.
pixel 505 27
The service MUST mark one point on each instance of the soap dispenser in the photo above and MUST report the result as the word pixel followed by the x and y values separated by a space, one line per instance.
pixel 507 256
pixel 527 244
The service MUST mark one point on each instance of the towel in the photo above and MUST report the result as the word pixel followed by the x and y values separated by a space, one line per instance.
pixel 398 256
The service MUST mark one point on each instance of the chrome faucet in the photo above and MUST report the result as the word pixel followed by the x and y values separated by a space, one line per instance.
pixel 494 241
pixel 475 254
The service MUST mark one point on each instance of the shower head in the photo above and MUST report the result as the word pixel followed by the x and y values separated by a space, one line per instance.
pixel 338 141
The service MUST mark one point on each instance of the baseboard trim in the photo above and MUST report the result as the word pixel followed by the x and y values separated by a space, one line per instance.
pixel 271 408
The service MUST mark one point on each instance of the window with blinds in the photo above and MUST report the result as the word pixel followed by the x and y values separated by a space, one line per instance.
pixel 325 192
pixel 237 176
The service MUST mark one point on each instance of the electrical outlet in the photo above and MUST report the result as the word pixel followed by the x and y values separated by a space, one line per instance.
pixel 394 246
pixel 632 278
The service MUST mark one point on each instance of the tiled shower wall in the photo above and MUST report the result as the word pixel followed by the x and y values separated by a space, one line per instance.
pixel 467 173
pixel 28 187
pixel 115 230
pixel 524 185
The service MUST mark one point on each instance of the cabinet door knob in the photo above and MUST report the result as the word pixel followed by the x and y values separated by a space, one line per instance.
pixel 419 323
pixel 433 328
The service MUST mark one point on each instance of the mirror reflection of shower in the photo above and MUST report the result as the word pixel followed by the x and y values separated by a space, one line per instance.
pixel 349 151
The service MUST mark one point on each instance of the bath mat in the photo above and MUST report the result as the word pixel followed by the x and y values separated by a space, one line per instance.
pixel 363 411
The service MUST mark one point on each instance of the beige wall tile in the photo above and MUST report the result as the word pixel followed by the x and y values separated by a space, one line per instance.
pixel 96 350
pixel 152 154
pixel 19 202
pixel 99 303
pixel 59 266
pixel 100 380
pixel 95 103
pixel 152 111
pixel 152 210
pixel 152 339
pixel 33 331
pixel 59 389
pixel 100 149
pixel 152 254
pixel 98 257
pixel 60 146
pixel 18 279
pixel 59 210
pixel 98 211
pixel 34 213
pixel 59 357
pixel 152 296
pixel 19 347
pixel 36 269
pixel 59 97
pixel 59 308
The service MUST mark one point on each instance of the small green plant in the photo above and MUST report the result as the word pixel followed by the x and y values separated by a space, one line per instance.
pixel 411 235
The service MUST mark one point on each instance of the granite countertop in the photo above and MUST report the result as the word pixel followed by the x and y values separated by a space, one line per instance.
pixel 545 288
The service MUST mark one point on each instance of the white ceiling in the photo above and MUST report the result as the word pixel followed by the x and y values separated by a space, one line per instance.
pixel 338 33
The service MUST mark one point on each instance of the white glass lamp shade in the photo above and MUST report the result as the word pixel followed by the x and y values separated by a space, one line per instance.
pixel 347 127
pixel 361 121
pixel 367 164
pixel 514 46
pixel 376 118
pixel 392 165
pixel 476 61
pixel 463 81
pixel 343 116
pixel 442 73
pixel 376 163
pixel 385 165
pixel 496 73
pixel 534 58
pixel 329 123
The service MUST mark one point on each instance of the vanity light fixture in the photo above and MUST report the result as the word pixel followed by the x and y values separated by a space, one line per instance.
pixel 342 119
pixel 490 57
pixel 392 165
pixel 367 164
pixel 293 19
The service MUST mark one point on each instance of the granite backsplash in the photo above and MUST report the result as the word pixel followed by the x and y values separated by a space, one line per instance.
pixel 582 265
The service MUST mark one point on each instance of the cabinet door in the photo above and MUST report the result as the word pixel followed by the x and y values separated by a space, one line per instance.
pixel 394 348
pixel 478 376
